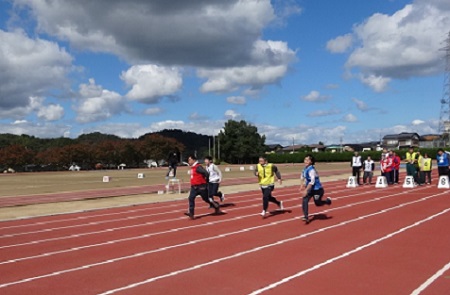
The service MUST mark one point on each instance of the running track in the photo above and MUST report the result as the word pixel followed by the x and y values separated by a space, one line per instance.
pixel 370 241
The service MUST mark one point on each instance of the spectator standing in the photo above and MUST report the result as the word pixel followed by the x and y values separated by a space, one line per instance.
pixel 356 167
pixel 442 158
pixel 173 163
pixel 386 168
pixel 396 167
pixel 369 167
pixel 427 166
pixel 411 164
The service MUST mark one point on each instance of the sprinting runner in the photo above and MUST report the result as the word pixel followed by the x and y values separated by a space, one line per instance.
pixel 215 177
pixel 310 182
pixel 266 173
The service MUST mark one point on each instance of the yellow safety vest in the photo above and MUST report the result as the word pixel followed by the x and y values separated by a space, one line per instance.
pixel 427 164
pixel 265 174
pixel 410 157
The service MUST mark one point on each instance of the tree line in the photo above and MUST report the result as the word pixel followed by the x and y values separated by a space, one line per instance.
pixel 240 142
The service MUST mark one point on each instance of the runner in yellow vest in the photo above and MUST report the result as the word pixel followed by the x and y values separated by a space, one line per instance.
pixel 266 173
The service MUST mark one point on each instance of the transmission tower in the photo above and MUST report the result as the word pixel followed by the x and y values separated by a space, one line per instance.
pixel 444 118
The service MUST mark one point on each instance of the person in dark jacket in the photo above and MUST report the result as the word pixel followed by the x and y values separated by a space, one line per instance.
pixel 173 163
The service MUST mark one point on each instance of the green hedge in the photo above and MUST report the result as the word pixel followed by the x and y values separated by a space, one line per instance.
pixel 340 157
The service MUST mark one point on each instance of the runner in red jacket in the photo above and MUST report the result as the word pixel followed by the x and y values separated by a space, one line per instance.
pixel 199 180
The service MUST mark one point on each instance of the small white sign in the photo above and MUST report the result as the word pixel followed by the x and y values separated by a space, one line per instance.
pixel 381 182
pixel 409 182
pixel 443 182
pixel 352 182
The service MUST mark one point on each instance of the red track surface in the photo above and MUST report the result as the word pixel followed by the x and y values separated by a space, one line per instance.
pixel 370 241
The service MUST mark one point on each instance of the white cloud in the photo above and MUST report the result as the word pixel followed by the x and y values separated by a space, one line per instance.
pixel 153 111
pixel 315 96
pixel 52 112
pixel 417 122
pixel 151 82
pixel 45 130
pixel 361 105
pixel 237 100
pixel 377 83
pixel 175 32
pixel 100 107
pixel 402 45
pixel 269 63
pixel 340 44
pixel 230 114
pixel 29 67
pixel 350 118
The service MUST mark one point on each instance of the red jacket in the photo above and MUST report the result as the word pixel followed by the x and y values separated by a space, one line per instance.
pixel 197 178
pixel 396 162
pixel 386 164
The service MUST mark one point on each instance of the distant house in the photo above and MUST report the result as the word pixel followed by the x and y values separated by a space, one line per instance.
pixel 431 141
pixel 293 148
pixel 333 148
pixel 273 148
pixel 315 148
pixel 402 140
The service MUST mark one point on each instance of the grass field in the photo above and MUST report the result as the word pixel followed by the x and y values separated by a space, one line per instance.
pixel 67 181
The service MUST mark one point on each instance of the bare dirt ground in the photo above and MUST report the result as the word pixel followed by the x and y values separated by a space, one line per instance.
pixel 21 184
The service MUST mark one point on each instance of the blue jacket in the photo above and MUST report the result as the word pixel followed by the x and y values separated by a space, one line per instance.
pixel 306 175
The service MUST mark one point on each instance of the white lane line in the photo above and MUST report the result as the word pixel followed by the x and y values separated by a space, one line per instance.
pixel 433 278
pixel 147 235
pixel 238 196
pixel 334 184
pixel 347 254
pixel 239 254
pixel 129 218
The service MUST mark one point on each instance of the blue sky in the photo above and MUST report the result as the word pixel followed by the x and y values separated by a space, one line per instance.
pixel 301 71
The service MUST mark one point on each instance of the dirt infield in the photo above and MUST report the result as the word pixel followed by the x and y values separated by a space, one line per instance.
pixel 81 183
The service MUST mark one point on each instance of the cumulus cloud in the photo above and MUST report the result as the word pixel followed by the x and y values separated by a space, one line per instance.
pixel 151 82
pixel 402 45
pixel 176 32
pixel 417 122
pixel 52 112
pixel 315 96
pixel 350 118
pixel 269 63
pixel 237 100
pixel 377 83
pixel 361 105
pixel 45 130
pixel 97 104
pixel 29 68
pixel 340 44
pixel 230 114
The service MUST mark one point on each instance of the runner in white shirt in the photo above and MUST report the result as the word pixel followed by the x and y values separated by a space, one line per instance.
pixel 215 177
